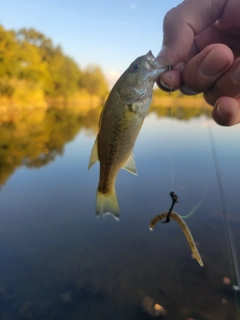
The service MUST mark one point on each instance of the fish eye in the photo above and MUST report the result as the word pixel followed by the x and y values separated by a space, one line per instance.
pixel 136 67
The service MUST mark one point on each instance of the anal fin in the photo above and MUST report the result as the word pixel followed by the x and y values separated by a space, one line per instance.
pixel 130 165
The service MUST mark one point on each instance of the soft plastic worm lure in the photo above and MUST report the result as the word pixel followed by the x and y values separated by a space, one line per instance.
pixel 184 228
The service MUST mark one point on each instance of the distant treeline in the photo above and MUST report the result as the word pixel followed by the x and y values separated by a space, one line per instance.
pixel 33 68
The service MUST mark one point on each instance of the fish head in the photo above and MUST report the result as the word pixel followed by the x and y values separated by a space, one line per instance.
pixel 138 80
pixel 145 69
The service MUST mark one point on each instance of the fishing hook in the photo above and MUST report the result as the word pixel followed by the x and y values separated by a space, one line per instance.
pixel 174 198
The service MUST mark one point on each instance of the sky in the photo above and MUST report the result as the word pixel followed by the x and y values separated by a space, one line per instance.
pixel 107 33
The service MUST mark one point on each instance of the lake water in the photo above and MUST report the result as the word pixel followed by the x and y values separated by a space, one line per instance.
pixel 58 261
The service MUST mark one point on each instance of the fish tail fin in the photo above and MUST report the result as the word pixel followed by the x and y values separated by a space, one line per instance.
pixel 107 203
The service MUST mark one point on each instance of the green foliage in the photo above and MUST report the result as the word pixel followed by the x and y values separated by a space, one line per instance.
pixel 94 82
pixel 9 54
pixel 28 55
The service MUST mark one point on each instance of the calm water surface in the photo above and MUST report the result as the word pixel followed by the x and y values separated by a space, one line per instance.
pixel 59 262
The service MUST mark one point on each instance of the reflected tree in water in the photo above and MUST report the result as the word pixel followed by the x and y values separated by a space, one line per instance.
pixel 35 139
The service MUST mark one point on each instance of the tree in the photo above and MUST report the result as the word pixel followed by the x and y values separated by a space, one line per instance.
pixel 28 57
pixel 94 82
pixel 9 54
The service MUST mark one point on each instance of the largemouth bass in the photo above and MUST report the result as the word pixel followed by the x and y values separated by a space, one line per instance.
pixel 120 122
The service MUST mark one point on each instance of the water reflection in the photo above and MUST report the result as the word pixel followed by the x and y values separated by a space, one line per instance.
pixel 34 138
pixel 181 113
pixel 59 262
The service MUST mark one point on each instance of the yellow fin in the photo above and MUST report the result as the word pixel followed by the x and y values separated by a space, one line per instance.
pixel 130 164
pixel 94 155
pixel 107 203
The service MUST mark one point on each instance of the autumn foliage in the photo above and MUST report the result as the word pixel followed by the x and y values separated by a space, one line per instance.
pixel 34 70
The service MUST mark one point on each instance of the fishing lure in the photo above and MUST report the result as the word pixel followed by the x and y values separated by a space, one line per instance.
pixel 182 224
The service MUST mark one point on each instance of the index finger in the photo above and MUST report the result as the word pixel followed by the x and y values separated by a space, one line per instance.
pixel 184 22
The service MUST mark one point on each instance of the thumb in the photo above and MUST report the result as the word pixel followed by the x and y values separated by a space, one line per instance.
pixel 181 25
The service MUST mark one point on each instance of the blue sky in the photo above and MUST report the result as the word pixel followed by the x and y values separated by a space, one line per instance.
pixel 103 32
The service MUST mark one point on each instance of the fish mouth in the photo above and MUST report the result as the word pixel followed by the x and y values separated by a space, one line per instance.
pixel 154 67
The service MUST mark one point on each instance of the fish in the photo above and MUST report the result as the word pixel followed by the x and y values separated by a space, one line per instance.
pixel 119 125
pixel 175 216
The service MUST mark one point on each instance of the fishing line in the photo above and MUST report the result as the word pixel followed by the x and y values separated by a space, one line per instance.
pixel 171 122
pixel 171 129
pixel 196 207
pixel 228 232
pixel 172 140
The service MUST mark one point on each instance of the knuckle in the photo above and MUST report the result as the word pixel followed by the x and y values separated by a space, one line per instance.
pixel 210 98
pixel 170 17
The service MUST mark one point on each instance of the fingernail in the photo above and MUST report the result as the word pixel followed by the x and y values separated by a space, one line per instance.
pixel 236 74
pixel 162 51
pixel 213 63
pixel 165 85
pixel 164 62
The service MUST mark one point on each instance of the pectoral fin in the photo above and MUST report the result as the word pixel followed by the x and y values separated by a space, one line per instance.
pixel 133 107
pixel 130 165
pixel 94 155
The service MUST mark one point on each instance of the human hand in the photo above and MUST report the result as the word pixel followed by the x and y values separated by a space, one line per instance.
pixel 202 43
